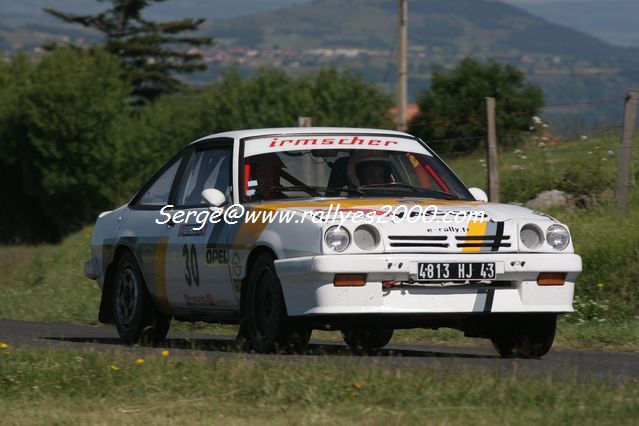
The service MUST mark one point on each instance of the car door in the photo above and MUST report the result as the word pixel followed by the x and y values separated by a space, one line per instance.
pixel 197 259
pixel 138 228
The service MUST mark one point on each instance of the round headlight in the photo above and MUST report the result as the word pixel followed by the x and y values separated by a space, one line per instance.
pixel 337 238
pixel 366 237
pixel 558 237
pixel 531 236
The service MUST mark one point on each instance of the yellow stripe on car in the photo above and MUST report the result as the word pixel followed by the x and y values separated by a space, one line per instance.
pixel 159 281
pixel 475 229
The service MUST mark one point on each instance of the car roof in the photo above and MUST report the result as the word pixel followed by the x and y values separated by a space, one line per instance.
pixel 238 134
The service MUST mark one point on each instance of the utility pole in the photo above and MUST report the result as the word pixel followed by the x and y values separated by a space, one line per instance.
pixel 401 67
pixel 625 150
pixel 493 176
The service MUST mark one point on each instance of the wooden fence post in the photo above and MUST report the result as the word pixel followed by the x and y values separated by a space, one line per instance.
pixel 493 175
pixel 304 121
pixel 625 150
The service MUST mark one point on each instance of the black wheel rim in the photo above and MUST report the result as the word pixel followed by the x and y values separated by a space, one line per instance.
pixel 127 296
pixel 267 305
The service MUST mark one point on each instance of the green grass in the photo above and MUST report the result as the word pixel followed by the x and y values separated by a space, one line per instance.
pixel 47 282
pixel 54 386
pixel 575 166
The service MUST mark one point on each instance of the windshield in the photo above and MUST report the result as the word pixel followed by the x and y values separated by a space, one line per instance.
pixel 405 169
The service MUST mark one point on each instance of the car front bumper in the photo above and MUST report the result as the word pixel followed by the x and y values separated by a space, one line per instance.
pixel 307 284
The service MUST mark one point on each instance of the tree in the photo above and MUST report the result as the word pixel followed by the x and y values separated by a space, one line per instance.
pixel 453 108
pixel 272 98
pixel 345 99
pixel 151 52
pixel 66 133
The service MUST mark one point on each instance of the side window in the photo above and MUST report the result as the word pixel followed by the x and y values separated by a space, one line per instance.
pixel 208 168
pixel 158 193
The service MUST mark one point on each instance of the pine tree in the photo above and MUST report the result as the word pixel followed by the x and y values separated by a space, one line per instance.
pixel 151 52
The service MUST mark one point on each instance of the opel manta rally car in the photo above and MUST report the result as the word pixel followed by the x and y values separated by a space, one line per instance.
pixel 365 231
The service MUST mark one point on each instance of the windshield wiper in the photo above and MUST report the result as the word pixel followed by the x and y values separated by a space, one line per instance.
pixel 416 189
pixel 310 188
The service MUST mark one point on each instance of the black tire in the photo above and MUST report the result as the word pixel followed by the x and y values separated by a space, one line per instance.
pixel 136 317
pixel 367 340
pixel 526 336
pixel 267 327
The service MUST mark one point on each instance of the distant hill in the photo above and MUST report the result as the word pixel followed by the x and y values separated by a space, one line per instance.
pixel 612 20
pixel 467 25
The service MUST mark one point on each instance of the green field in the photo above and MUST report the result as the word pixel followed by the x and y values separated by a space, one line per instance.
pixel 47 386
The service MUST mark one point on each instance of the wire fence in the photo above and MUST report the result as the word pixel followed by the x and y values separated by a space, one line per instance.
pixel 476 117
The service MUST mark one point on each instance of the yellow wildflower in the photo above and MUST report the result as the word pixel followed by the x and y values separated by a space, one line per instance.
pixel 4 345
pixel 139 361
pixel 165 353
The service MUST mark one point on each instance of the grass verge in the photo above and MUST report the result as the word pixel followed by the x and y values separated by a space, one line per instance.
pixel 46 386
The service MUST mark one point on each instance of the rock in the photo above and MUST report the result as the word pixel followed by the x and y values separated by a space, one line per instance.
pixel 547 199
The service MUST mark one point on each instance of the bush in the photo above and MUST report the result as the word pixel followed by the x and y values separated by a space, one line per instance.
pixel 519 187
pixel 585 177
pixel 453 107
pixel 64 136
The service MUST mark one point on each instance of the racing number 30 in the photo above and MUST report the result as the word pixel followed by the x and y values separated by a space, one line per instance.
pixel 192 274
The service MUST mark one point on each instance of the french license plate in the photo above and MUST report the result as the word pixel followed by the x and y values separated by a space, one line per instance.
pixel 456 271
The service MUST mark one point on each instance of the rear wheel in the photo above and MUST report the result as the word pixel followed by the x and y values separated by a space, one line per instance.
pixel 365 339
pixel 526 336
pixel 267 325
pixel 136 318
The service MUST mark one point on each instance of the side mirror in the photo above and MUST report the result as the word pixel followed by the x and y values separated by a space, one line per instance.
pixel 214 197
pixel 479 194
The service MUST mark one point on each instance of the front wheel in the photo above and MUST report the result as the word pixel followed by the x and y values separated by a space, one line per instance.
pixel 136 318
pixel 367 340
pixel 525 336
pixel 267 326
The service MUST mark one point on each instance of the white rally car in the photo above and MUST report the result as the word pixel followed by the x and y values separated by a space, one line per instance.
pixel 359 230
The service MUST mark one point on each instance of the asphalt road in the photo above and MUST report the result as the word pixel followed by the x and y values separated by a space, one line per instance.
pixel 585 366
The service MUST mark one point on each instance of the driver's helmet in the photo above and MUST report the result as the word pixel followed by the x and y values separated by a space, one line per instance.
pixel 361 160
pixel 266 161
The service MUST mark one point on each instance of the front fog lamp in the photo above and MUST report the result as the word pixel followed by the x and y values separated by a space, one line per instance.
pixel 337 238
pixel 366 237
pixel 558 237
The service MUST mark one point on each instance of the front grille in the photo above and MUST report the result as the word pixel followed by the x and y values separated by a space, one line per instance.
pixel 495 242
pixel 438 241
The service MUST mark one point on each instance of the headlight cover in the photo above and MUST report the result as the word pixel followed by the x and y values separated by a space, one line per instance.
pixel 366 237
pixel 337 238
pixel 558 237
pixel 531 236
